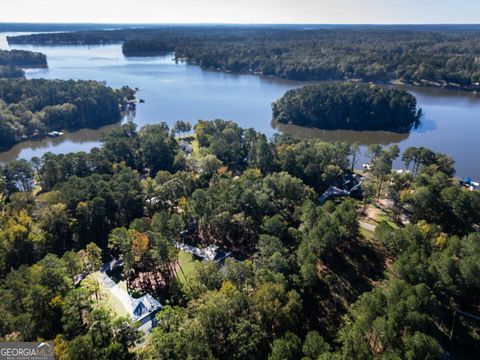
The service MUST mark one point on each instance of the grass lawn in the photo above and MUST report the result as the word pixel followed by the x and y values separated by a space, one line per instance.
pixel 107 299
pixel 385 217
pixel 377 215
pixel 114 304
pixel 368 235
pixel 187 263
pixel 195 148
pixel 192 139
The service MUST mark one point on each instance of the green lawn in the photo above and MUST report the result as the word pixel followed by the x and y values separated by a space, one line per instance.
pixel 107 299
pixel 379 216
pixel 195 148
pixel 187 263
pixel 115 305
pixel 383 216
pixel 368 235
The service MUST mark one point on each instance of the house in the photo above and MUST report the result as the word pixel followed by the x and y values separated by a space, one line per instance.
pixel 220 256
pixel 144 310
pixel 141 310
pixel 210 253
pixel 349 185
pixel 144 306
pixel 332 191
pixel 186 146
pixel 353 184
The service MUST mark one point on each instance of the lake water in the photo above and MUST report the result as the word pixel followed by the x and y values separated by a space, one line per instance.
pixel 186 92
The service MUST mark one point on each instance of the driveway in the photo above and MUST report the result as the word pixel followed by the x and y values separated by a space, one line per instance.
pixel 116 291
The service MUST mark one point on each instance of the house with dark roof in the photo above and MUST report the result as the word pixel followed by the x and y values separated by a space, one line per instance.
pixel 144 310
pixel 144 306
pixel 349 185
pixel 141 310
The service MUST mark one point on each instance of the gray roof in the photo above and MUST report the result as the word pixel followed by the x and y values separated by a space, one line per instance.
pixel 209 253
pixel 144 306
pixel 333 191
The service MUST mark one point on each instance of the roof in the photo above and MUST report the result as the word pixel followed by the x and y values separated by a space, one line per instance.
pixel 207 253
pixel 349 181
pixel 351 185
pixel 186 146
pixel 144 306
pixel 221 256
pixel 210 253
pixel 333 191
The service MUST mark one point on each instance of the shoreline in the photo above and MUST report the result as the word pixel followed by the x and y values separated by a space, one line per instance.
pixel 42 136
pixel 423 83
pixel 415 84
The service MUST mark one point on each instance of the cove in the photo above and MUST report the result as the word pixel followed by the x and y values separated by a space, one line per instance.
pixel 177 91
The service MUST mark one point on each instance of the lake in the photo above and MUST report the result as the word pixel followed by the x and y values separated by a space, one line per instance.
pixel 177 91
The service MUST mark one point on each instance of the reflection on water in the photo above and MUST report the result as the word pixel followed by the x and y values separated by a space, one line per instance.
pixel 176 91
pixel 66 143
pixel 426 125
pixel 350 136
pixel 430 95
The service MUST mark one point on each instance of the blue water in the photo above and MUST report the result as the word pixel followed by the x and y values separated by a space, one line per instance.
pixel 186 92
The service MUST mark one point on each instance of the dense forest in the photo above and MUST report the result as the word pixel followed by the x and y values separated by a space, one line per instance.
pixel 12 62
pixel 307 280
pixel 93 37
pixel 11 72
pixel 429 57
pixel 348 106
pixel 22 58
pixel 31 108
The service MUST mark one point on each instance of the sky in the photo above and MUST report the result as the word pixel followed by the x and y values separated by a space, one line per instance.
pixel 242 11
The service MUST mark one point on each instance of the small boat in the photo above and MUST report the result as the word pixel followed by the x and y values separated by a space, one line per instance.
pixel 55 134
pixel 469 184
pixel 141 101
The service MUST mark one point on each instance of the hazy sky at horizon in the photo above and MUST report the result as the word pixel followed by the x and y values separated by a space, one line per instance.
pixel 242 11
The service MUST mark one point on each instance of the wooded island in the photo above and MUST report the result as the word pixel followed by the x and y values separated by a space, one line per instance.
pixel 348 106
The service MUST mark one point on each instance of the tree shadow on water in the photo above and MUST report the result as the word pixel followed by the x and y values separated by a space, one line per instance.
pixel 426 125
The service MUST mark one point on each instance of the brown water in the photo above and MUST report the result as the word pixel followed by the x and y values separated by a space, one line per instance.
pixel 179 91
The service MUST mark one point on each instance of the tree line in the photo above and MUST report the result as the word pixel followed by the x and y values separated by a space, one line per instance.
pixel 12 62
pixel 431 57
pixel 22 58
